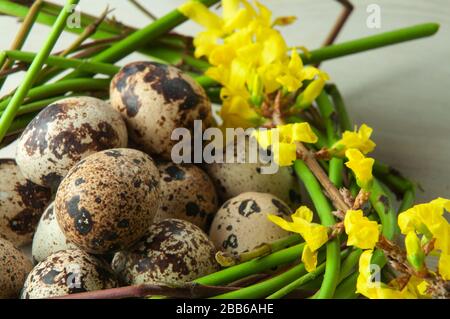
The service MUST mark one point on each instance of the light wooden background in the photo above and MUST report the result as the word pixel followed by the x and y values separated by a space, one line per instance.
pixel 402 91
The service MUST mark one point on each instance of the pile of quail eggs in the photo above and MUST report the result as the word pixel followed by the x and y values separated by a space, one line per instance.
pixel 100 214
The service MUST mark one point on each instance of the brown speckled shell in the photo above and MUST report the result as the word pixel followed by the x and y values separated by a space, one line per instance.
pixel 187 193
pixel 241 224
pixel 48 238
pixel 155 99
pixel 175 252
pixel 68 272
pixel 14 268
pixel 65 132
pixel 108 200
pixel 21 204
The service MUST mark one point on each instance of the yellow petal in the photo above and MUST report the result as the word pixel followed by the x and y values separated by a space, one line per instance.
pixel 284 153
pixel 361 167
pixel 359 139
pixel 199 13
pixel 302 132
pixel 303 213
pixel 309 258
pixel 283 21
pixel 362 232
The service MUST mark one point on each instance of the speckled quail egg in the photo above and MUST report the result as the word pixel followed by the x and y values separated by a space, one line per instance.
pixel 108 200
pixel 49 238
pixel 65 132
pixel 155 99
pixel 187 193
pixel 21 204
pixel 67 272
pixel 14 268
pixel 175 252
pixel 241 224
pixel 240 176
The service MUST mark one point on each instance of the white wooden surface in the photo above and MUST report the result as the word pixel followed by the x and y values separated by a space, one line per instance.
pixel 402 91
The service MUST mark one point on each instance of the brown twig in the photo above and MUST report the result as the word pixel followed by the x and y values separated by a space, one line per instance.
pixel 143 10
pixel 330 190
pixel 24 30
pixel 190 290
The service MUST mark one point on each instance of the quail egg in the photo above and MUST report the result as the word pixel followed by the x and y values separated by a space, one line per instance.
pixel 65 132
pixel 241 224
pixel 67 272
pixel 48 238
pixel 187 193
pixel 108 200
pixel 155 99
pixel 242 175
pixel 175 252
pixel 14 268
pixel 21 204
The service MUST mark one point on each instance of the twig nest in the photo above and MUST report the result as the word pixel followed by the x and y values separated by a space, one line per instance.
pixel 155 99
pixel 14 268
pixel 21 204
pixel 175 252
pixel 187 193
pixel 108 200
pixel 49 237
pixel 67 272
pixel 241 224
pixel 65 132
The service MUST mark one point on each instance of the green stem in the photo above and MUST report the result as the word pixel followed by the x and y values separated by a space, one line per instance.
pixel 383 205
pixel 227 260
pixel 36 106
pixel 266 287
pixel 341 109
pixel 251 267
pixel 66 63
pixel 22 91
pixel 349 264
pixel 324 209
pixel 22 34
pixel 408 200
pixel 302 280
pixel 370 42
pixel 62 87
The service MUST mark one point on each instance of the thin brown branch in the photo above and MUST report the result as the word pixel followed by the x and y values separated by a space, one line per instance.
pixel 330 190
pixel 339 24
pixel 24 30
pixel 190 290
pixel 143 9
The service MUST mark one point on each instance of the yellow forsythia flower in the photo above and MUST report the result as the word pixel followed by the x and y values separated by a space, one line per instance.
pixel 249 57
pixel 358 139
pixel 414 251
pixel 373 289
pixel 362 232
pixel 315 235
pixel 361 167
pixel 283 139
pixel 428 220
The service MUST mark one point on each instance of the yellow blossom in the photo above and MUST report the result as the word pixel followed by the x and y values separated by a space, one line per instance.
pixel 283 139
pixel 313 90
pixel 358 139
pixel 361 167
pixel 428 220
pixel 309 258
pixel 248 54
pixel 362 232
pixel 315 235
pixel 368 286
